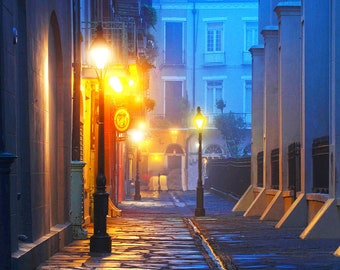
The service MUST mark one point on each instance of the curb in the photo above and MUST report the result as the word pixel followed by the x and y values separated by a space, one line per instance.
pixel 211 248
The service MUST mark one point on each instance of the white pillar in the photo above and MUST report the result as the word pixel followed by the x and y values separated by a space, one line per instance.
pixel 289 82
pixel 271 117
pixel 257 109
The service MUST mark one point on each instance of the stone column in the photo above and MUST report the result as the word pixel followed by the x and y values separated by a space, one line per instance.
pixel 315 82
pixel 271 117
pixel 289 82
pixel 334 188
pixel 77 200
pixel 6 160
pixel 257 108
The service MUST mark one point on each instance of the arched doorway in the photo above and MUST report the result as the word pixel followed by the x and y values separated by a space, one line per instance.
pixel 54 155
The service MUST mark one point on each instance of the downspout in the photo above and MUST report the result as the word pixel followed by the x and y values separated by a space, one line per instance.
pixel 76 81
pixel 77 179
pixel 194 45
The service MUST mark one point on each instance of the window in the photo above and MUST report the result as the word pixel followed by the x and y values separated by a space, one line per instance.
pixel 214 37
pixel 214 47
pixel 250 39
pixel 173 98
pixel 251 35
pixel 214 93
pixel 173 43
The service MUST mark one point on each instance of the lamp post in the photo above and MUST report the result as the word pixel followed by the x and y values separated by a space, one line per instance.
pixel 100 241
pixel 137 136
pixel 137 196
pixel 199 121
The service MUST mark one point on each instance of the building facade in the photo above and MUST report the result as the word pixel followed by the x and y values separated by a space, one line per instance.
pixel 35 130
pixel 295 118
pixel 203 57
pixel 125 25
pixel 49 119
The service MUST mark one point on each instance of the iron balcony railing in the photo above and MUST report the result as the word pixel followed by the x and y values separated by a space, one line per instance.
pixel 162 119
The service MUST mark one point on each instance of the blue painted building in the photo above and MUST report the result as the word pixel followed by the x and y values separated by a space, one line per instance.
pixel 203 56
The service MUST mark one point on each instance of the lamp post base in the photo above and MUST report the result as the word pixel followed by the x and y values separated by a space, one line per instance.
pixel 100 241
pixel 137 196
pixel 100 244
pixel 199 210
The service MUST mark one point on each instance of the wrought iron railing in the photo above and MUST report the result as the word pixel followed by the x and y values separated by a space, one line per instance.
pixel 294 167
pixel 320 154
pixel 162 119
pixel 275 168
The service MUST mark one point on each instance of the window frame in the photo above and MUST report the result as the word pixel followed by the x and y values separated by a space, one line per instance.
pixel 220 79
pixel 173 20
pixel 166 79
pixel 254 41
pixel 215 20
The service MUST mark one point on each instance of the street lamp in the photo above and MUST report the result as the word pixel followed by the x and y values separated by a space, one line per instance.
pixel 100 241
pixel 199 121
pixel 137 136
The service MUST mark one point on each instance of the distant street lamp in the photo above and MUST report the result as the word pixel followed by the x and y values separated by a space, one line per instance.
pixel 137 136
pixel 100 242
pixel 199 121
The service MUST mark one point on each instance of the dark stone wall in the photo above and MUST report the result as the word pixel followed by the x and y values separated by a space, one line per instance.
pixel 35 104
pixel 230 175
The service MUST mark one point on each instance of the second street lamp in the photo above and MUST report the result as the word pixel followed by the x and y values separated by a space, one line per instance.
pixel 100 242
pixel 137 136
pixel 199 121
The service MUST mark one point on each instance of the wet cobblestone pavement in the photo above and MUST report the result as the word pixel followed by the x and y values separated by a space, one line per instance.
pixel 150 234
pixel 160 232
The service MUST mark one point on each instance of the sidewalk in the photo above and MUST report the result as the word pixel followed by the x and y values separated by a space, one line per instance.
pixel 254 244
pixel 160 232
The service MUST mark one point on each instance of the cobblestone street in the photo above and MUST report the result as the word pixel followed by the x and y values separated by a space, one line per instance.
pixel 150 234
pixel 160 232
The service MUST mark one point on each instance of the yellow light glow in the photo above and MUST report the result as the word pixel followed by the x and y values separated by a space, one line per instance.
pixel 141 126
pixel 199 123
pixel 48 115
pixel 137 135
pixel 99 50
pixel 116 84
pixel 199 119
pixel 131 82
pixel 155 157
pixel 100 56
pixel 174 131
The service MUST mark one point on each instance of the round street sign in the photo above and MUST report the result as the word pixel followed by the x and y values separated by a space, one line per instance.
pixel 122 119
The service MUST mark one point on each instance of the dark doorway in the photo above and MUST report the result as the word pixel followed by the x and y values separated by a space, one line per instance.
pixel 174 173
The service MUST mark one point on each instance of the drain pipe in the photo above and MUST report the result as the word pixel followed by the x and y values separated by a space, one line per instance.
pixel 194 45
